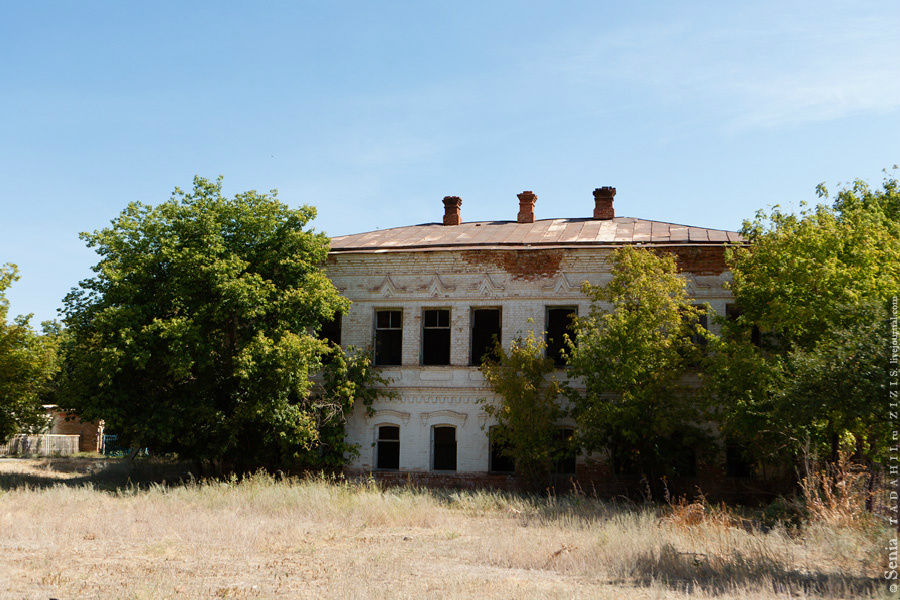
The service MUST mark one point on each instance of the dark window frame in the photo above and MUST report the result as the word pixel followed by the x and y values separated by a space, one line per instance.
pixel 684 457
pixel 377 358
pixel 553 349
pixel 475 361
pixel 703 321
pixel 434 450
pixel 328 329
pixel 563 460
pixel 733 312
pixel 380 442
pixel 737 463
pixel 423 354
pixel 494 455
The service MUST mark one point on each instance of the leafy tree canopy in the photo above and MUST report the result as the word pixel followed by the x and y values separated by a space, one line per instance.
pixel 634 348
pixel 28 360
pixel 818 284
pixel 805 274
pixel 197 332
pixel 528 410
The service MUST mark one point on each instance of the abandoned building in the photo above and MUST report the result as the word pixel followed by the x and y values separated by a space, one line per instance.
pixel 429 300
pixel 64 435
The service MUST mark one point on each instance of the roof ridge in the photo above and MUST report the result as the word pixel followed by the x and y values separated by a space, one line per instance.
pixel 435 223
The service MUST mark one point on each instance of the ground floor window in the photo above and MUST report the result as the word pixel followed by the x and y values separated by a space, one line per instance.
pixel 443 448
pixel 736 462
pixel 501 461
pixel 565 464
pixel 388 447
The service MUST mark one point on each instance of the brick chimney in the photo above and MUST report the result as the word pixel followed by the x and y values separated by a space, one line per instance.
pixel 603 203
pixel 526 206
pixel 451 210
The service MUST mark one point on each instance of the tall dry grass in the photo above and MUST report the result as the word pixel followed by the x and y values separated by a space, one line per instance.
pixel 265 537
pixel 840 493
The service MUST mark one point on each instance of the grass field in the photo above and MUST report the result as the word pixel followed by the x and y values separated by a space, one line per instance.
pixel 76 529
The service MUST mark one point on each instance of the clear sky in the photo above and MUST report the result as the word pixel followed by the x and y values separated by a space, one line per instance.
pixel 698 112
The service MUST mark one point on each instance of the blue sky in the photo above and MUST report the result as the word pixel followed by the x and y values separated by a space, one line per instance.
pixel 698 112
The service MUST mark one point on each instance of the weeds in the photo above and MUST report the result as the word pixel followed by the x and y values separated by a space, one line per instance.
pixel 268 536
pixel 838 493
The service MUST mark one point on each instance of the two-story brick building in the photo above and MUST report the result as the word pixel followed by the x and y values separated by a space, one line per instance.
pixel 429 300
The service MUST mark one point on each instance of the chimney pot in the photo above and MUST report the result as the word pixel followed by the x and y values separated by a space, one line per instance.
pixel 603 203
pixel 451 210
pixel 526 206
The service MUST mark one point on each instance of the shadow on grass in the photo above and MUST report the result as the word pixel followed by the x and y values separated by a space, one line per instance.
pixel 689 572
pixel 99 473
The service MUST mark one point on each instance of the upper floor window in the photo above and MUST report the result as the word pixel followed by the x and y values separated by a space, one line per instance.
pixel 331 330
pixel 388 337
pixel 703 322
pixel 733 312
pixel 560 323
pixel 485 334
pixel 436 336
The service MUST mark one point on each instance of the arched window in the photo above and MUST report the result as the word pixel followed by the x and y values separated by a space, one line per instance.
pixel 443 448
pixel 387 447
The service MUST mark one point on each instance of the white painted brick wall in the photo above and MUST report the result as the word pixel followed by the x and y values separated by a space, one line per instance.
pixel 452 395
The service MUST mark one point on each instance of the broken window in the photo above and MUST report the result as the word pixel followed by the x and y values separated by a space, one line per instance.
pixel 388 337
pixel 560 322
pixel 732 312
pixel 387 450
pixel 625 460
pixel 485 335
pixel 443 448
pixel 565 464
pixel 697 338
pixel 501 461
pixel 436 336
pixel 736 462
pixel 682 456
pixel 330 330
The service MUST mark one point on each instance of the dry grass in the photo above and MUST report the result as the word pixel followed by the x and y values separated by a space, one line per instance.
pixel 837 493
pixel 75 534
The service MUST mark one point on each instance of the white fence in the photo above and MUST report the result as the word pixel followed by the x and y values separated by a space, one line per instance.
pixel 47 444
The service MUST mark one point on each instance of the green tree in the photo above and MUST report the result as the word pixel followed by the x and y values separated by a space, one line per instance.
pixel 802 275
pixel 196 333
pixel 28 361
pixel 528 410
pixel 348 378
pixel 635 348
pixel 818 285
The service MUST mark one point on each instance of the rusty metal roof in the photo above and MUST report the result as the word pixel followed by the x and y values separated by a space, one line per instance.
pixel 554 233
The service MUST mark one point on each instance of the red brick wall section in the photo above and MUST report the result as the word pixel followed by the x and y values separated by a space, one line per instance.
pixel 527 265
pixel 69 424
pixel 700 260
